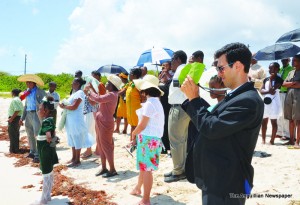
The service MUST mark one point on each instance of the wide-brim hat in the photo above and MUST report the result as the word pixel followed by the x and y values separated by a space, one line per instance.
pixel 115 80
pixel 122 75
pixel 31 78
pixel 148 81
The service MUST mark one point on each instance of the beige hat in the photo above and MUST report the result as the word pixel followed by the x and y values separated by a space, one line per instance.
pixel 148 81
pixel 115 80
pixel 31 78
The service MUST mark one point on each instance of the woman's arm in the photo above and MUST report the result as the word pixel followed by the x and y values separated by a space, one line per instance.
pixel 139 128
pixel 74 106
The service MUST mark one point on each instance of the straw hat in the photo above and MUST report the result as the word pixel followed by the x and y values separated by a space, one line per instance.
pixel 31 78
pixel 122 75
pixel 115 80
pixel 148 81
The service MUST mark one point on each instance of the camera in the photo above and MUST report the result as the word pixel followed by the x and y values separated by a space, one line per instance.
pixel 176 83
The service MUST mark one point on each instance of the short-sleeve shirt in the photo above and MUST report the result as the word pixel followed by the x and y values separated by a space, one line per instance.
pixel 153 109
pixel 278 80
pixel 15 105
pixel 284 71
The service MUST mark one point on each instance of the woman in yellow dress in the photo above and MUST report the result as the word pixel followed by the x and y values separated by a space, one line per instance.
pixel 121 110
pixel 133 99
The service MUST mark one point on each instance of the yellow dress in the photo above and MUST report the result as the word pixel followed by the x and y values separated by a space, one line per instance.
pixel 133 102
pixel 122 111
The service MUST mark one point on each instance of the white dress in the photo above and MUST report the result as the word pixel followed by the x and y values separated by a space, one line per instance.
pixel 77 131
pixel 272 110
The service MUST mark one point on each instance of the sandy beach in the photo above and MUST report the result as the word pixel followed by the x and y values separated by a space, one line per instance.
pixel 276 176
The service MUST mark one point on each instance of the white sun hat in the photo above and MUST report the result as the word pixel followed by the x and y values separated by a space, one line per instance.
pixel 148 81
pixel 115 80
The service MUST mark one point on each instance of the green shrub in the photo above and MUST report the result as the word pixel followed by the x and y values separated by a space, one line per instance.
pixel 63 81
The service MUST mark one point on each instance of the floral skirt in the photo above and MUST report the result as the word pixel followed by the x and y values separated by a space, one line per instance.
pixel 148 152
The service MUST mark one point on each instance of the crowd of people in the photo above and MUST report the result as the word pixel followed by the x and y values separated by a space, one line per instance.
pixel 205 142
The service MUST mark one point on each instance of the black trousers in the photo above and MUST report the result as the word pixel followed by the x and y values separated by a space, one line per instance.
pixel 211 199
pixel 14 135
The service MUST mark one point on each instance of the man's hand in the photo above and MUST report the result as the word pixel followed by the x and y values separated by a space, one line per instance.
pixel 189 88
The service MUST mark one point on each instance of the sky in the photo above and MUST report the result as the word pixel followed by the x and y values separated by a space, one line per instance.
pixel 62 36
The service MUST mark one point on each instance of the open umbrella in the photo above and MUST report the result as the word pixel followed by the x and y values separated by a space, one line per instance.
pixel 277 51
pixel 155 56
pixel 112 68
pixel 292 36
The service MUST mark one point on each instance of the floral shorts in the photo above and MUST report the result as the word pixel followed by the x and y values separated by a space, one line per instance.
pixel 148 152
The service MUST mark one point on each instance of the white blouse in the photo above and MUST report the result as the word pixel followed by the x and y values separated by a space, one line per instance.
pixel 153 109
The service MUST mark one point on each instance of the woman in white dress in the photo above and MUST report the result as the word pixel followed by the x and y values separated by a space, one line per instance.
pixel 76 128
pixel 270 92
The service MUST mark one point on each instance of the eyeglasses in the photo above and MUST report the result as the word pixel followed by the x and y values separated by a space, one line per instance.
pixel 173 58
pixel 221 68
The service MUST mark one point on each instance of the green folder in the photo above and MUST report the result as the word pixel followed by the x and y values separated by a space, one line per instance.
pixel 194 70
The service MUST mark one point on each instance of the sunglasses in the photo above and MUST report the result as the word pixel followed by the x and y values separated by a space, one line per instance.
pixel 220 69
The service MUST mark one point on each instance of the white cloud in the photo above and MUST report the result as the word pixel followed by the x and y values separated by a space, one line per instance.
pixel 118 31
pixel 35 11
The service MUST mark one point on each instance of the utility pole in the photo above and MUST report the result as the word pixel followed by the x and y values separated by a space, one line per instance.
pixel 25 63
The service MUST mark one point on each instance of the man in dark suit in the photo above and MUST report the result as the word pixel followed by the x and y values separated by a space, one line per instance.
pixel 228 134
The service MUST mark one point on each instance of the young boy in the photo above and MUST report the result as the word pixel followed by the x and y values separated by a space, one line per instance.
pixel 56 97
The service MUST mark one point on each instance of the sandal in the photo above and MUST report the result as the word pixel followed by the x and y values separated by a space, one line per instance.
pixel 85 156
pixel 101 172
pixel 109 174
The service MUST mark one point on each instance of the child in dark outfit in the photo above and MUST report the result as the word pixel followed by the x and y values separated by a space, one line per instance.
pixel 46 148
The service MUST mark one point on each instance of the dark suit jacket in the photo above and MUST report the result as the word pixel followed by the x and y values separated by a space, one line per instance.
pixel 226 142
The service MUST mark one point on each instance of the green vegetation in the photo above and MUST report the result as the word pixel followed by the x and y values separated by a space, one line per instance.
pixel 63 81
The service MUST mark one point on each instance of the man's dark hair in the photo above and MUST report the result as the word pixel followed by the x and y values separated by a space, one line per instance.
pixel 181 55
pixel 16 92
pixel 97 73
pixel 80 81
pixel 236 52
pixel 152 92
pixel 78 74
pixel 276 65
pixel 198 54
pixel 52 83
pixel 137 72
pixel 297 56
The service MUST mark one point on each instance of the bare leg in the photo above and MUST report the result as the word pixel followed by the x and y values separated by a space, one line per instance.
pixel 292 132
pixel 118 121
pixel 148 181
pixel 77 157
pixel 111 163
pixel 264 129
pixel 125 126
pixel 73 156
pixel 274 130
pixel 132 128
pixel 298 132
pixel 137 189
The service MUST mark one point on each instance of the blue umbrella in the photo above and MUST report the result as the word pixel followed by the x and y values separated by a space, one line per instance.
pixel 292 36
pixel 155 56
pixel 277 51
pixel 112 68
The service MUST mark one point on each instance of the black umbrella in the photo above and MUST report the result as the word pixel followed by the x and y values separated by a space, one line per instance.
pixel 112 68
pixel 277 51
pixel 292 36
